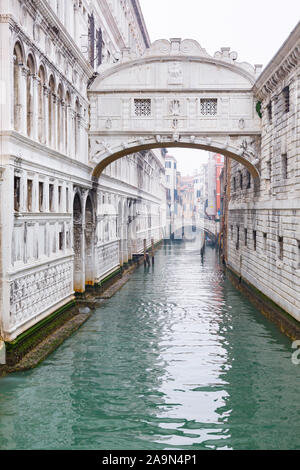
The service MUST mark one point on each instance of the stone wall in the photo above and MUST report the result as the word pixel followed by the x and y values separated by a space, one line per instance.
pixel 264 222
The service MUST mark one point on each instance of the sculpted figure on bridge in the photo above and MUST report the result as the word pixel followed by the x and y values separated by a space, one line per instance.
pixel 175 76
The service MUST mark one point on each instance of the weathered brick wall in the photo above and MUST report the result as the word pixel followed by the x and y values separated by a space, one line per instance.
pixel 271 214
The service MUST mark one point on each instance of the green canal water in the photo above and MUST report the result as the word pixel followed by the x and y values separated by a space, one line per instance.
pixel 177 359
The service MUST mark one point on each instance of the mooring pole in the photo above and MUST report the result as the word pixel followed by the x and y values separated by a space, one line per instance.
pixel 145 252
pixel 152 248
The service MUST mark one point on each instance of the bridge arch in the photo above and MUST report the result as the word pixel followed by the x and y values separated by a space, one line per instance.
pixel 236 154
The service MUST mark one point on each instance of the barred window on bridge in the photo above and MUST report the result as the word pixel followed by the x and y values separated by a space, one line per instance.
pixel 208 106
pixel 142 107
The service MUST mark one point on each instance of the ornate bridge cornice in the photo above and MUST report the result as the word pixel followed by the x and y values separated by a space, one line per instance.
pixel 177 50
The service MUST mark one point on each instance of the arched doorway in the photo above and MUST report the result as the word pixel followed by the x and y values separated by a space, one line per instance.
pixel 78 244
pixel 89 243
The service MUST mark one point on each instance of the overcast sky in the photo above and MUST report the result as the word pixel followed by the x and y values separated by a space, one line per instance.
pixel 254 29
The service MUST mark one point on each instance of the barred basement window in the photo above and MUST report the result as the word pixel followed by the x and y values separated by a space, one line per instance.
pixel 269 109
pixel 208 107
pixel 238 238
pixel 254 240
pixel 280 247
pixel 286 99
pixel 142 107
pixel 265 236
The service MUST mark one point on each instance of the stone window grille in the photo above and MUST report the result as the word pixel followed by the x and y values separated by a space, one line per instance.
pixel 246 237
pixel 298 255
pixel 231 232
pixel 208 107
pixel 286 99
pixel 241 180
pixel 142 107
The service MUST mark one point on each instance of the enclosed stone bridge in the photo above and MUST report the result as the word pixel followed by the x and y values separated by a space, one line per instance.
pixel 176 95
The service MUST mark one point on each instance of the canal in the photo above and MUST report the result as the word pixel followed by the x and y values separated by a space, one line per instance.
pixel 178 359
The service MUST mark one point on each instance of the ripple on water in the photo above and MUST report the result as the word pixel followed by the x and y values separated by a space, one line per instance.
pixel 177 359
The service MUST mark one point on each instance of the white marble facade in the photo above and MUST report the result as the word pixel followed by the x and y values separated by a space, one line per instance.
pixel 60 228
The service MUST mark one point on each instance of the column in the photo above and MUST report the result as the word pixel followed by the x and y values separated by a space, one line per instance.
pixel 46 115
pixel 63 127
pixel 55 118
pixel 74 135
pixel 23 192
pixel 45 207
pixel 23 100
pixel 35 97
pixel 35 194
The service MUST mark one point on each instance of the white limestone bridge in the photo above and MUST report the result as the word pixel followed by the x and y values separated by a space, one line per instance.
pixel 175 95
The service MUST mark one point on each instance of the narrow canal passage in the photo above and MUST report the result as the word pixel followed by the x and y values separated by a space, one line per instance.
pixel 176 359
